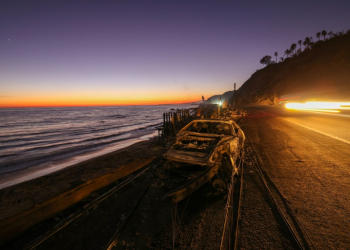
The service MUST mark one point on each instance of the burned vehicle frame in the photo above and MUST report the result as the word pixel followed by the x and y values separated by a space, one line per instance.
pixel 205 149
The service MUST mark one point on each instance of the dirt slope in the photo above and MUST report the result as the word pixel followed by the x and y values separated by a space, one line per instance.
pixel 322 72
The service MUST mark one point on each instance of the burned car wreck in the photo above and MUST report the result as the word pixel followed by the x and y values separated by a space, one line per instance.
pixel 205 149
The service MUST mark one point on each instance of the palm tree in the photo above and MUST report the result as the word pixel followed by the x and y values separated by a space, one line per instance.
pixel 305 45
pixel 300 42
pixel 276 54
pixel 281 59
pixel 324 34
pixel 292 47
pixel 307 42
pixel 318 35
pixel 287 52
pixel 311 42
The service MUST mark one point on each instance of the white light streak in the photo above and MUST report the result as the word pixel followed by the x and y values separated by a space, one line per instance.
pixel 333 107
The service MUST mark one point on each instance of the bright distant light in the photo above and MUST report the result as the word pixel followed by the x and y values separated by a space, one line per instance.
pixel 333 107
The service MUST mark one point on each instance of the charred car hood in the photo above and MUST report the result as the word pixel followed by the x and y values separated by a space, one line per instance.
pixel 195 148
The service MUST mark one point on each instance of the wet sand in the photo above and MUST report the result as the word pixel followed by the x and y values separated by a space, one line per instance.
pixel 17 177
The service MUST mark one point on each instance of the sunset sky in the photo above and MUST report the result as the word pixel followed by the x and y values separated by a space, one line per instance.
pixel 76 53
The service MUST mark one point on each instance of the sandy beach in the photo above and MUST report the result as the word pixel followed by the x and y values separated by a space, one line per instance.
pixel 22 205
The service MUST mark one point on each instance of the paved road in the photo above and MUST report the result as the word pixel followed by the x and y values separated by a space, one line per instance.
pixel 308 156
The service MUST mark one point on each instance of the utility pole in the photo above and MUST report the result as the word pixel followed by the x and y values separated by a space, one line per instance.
pixel 235 96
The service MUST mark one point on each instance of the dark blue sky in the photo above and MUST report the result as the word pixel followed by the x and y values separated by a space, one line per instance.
pixel 114 52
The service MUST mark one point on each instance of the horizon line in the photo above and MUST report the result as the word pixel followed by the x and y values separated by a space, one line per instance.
pixel 82 106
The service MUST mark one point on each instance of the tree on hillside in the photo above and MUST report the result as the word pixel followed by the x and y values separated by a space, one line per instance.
pixel 292 47
pixel 281 59
pixel 340 33
pixel 266 60
pixel 287 52
pixel 330 34
pixel 300 42
pixel 324 34
pixel 305 45
pixel 306 42
pixel 276 54
pixel 311 43
pixel 298 52
pixel 318 35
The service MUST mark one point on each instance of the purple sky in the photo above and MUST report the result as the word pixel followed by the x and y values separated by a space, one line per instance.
pixel 133 50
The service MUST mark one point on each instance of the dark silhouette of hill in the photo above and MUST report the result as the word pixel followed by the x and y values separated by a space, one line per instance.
pixel 321 72
pixel 215 98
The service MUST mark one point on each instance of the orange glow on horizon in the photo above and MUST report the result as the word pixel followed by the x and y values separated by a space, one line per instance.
pixel 86 102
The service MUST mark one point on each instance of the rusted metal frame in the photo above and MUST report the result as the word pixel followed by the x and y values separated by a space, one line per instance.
pixel 191 186
pixel 160 133
pixel 187 159
pixel 236 232
pixel 230 195
pixel 179 118
pixel 174 121
pixel 167 123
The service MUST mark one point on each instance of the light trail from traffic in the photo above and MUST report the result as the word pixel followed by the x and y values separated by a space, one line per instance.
pixel 332 107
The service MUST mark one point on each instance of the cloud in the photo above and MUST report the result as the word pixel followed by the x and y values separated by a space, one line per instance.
pixel 9 40
pixel 4 96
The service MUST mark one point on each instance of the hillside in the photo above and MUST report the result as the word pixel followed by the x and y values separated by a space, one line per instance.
pixel 322 72
pixel 215 99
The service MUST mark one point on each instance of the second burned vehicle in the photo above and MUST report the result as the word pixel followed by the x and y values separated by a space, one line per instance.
pixel 205 149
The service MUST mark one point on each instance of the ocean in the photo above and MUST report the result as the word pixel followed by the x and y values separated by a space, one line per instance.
pixel 38 141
